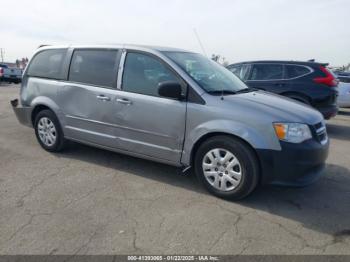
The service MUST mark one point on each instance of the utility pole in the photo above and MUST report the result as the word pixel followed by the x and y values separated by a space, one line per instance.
pixel 2 54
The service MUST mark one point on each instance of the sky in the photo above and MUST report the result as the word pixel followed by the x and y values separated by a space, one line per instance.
pixel 239 30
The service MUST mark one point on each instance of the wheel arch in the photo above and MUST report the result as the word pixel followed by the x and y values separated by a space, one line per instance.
pixel 297 96
pixel 36 110
pixel 256 136
pixel 207 136
pixel 41 103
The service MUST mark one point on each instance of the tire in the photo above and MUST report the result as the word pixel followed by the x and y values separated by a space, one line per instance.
pixel 248 167
pixel 44 121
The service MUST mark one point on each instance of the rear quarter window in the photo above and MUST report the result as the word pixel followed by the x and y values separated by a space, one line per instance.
pixel 47 64
pixel 294 71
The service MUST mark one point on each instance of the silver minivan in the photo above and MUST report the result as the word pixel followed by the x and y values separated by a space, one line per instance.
pixel 175 107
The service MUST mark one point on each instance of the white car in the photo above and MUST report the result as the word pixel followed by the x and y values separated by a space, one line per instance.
pixel 344 91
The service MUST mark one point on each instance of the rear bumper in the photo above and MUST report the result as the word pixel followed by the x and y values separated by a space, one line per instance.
pixel 326 101
pixel 11 79
pixel 295 165
pixel 328 111
pixel 22 113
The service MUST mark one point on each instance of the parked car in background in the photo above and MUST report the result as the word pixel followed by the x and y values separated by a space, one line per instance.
pixel 342 73
pixel 10 74
pixel 175 107
pixel 308 82
pixel 344 89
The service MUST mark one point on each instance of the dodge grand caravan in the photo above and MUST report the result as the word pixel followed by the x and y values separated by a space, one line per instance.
pixel 175 107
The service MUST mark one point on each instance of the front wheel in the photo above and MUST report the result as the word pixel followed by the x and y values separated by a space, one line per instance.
pixel 227 167
pixel 48 131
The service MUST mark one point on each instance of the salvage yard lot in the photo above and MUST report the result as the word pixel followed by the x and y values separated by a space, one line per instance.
pixel 90 201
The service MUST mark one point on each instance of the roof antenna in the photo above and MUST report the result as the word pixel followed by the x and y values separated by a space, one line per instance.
pixel 200 42
pixel 205 53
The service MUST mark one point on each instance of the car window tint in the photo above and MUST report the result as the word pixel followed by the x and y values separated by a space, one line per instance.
pixel 95 67
pixel 267 72
pixel 143 73
pixel 244 72
pixel 293 71
pixel 47 64
pixel 240 71
pixel 236 70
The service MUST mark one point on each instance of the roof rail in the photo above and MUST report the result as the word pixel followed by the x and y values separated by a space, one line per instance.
pixel 40 46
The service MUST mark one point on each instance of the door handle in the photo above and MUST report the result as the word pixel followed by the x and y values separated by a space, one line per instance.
pixel 103 98
pixel 124 101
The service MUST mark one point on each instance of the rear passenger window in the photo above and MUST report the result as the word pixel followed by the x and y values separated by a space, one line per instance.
pixel 267 72
pixel 293 71
pixel 143 73
pixel 47 64
pixel 95 67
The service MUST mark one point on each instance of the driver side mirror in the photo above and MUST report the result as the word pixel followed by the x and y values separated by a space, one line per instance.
pixel 170 89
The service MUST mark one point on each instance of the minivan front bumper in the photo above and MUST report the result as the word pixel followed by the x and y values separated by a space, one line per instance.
pixel 23 113
pixel 295 165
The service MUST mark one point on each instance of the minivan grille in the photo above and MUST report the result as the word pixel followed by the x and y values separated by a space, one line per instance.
pixel 321 133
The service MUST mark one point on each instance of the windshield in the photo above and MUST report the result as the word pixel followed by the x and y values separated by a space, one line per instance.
pixel 211 76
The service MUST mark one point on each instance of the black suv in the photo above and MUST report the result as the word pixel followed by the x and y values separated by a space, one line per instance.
pixel 308 82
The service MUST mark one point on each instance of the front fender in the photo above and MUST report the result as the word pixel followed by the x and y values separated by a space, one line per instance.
pixel 258 139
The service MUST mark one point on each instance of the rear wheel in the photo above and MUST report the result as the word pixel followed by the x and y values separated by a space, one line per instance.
pixel 227 167
pixel 48 131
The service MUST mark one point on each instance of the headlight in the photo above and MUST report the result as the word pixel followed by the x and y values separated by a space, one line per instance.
pixel 292 132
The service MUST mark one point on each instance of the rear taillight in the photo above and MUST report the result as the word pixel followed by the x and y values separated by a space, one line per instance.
pixel 328 80
pixel 1 71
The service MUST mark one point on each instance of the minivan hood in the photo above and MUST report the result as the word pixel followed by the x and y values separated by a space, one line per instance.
pixel 278 107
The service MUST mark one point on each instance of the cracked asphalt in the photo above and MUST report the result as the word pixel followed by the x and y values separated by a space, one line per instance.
pixel 91 201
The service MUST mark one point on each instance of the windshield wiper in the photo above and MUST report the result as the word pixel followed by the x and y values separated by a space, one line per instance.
pixel 231 92
pixel 222 92
pixel 247 90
